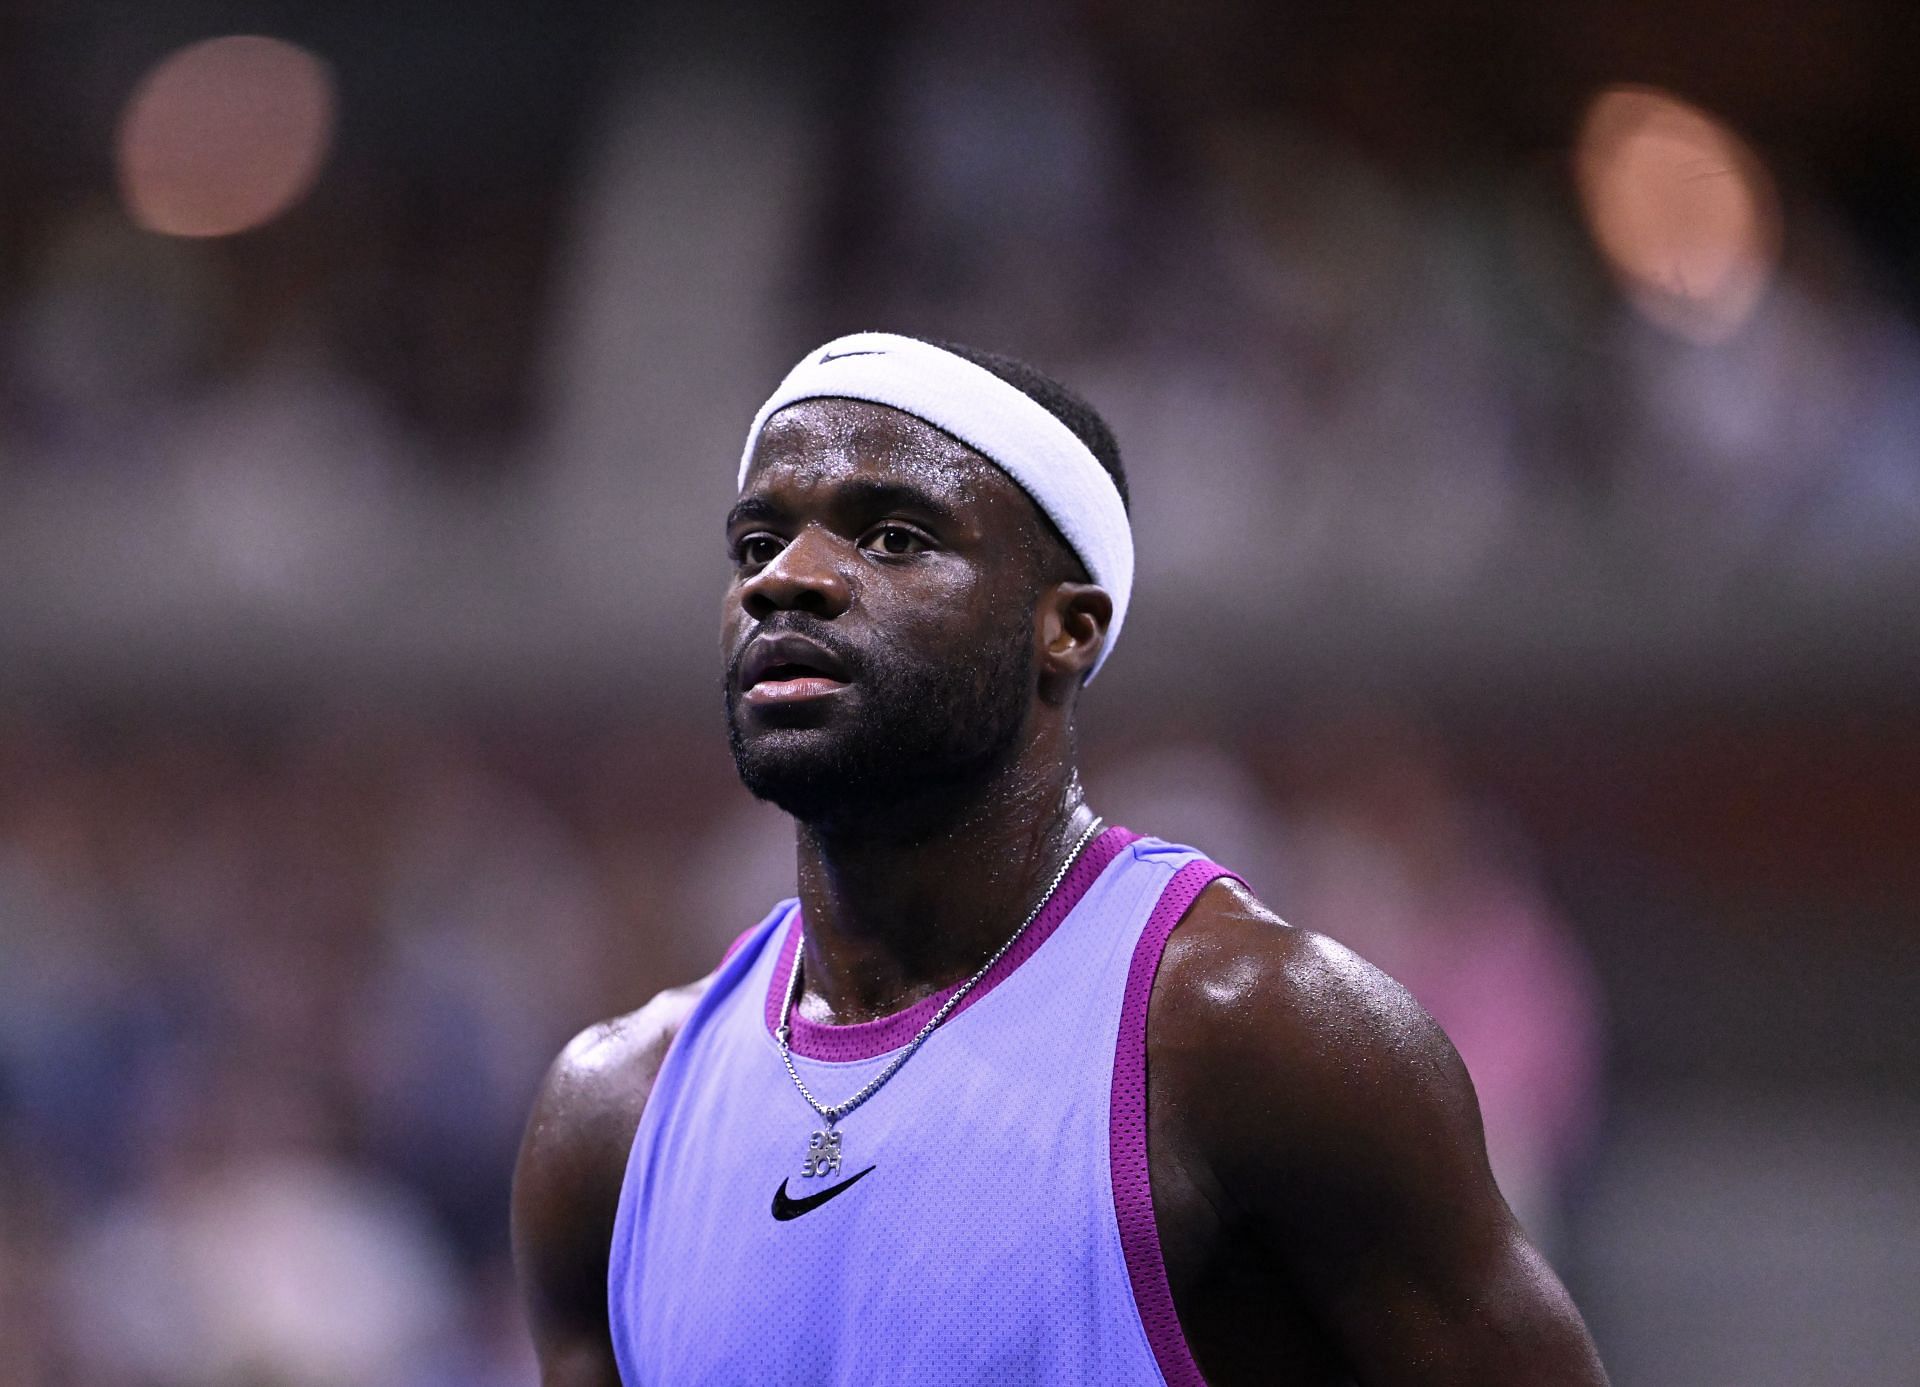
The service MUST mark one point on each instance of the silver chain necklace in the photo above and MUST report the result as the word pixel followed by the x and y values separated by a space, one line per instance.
pixel 824 1149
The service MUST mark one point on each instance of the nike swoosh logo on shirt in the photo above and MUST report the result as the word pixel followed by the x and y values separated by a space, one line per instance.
pixel 825 357
pixel 785 1208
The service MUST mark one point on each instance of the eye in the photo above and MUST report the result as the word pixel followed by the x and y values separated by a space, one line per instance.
pixel 757 549
pixel 896 539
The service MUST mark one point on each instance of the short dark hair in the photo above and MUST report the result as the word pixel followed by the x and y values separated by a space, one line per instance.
pixel 1057 400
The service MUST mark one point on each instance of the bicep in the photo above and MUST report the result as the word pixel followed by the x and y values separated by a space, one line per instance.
pixel 1443 1293
pixel 562 1275
pixel 562 1231
pixel 1370 1185
pixel 566 1185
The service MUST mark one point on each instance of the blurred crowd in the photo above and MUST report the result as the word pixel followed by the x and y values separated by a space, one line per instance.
pixel 268 1018
pixel 1400 395
pixel 273 1003
pixel 271 1009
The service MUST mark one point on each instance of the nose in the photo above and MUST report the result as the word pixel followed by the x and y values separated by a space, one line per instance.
pixel 805 576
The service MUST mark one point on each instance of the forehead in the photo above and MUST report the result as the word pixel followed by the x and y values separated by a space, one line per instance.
pixel 819 445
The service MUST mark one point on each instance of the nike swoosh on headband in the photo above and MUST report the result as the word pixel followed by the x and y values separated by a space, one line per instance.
pixel 785 1208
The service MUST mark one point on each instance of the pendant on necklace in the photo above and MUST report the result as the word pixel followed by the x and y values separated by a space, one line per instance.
pixel 823 1153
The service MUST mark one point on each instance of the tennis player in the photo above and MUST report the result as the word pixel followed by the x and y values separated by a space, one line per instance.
pixel 1008 1094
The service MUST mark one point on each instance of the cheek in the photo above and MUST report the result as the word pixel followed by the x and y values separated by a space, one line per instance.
pixel 974 616
pixel 731 619
pixel 933 604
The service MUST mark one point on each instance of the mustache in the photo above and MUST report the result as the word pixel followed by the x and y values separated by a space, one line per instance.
pixel 821 633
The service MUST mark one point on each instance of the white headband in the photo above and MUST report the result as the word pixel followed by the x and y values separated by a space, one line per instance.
pixel 1014 432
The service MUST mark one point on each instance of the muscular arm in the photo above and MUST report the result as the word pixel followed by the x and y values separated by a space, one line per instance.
pixel 566 1185
pixel 1339 1125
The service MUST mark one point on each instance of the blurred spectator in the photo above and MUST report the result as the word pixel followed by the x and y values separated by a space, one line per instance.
pixel 1387 855
pixel 114 332
pixel 1201 794
pixel 272 1005
pixel 247 1255
pixel 487 922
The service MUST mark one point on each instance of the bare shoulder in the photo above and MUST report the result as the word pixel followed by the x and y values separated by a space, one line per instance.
pixel 1336 1123
pixel 1235 966
pixel 566 1184
pixel 589 1103
pixel 1295 1030
pixel 601 1079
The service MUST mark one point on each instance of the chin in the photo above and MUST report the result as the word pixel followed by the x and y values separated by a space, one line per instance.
pixel 811 797
pixel 803 770
pixel 880 754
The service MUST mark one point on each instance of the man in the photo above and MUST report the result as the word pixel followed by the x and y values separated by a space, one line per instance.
pixel 1008 1095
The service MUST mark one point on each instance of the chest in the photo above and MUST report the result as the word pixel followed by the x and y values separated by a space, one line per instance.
pixel 956 1227
pixel 987 1212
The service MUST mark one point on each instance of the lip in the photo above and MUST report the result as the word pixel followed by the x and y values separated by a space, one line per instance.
pixel 790 669
pixel 769 692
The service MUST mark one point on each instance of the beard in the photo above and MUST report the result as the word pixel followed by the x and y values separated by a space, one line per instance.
pixel 921 723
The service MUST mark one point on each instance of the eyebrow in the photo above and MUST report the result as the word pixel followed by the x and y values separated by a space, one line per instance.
pixel 868 494
pixel 864 495
pixel 754 508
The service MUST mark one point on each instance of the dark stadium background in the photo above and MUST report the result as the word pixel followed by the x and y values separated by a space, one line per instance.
pixel 1523 410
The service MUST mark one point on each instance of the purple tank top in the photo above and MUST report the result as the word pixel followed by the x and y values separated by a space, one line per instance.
pixel 990 1218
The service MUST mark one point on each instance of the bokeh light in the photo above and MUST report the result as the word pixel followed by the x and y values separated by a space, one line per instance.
pixel 1684 211
pixel 224 135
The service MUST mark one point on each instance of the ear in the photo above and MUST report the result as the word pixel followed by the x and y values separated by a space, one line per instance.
pixel 1071 624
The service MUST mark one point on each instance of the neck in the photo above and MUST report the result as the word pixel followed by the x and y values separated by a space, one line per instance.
pixel 895 915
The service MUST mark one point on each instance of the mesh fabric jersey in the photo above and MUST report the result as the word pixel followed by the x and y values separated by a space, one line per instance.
pixel 996 1221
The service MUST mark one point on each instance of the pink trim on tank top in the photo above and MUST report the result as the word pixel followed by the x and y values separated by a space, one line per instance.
pixel 1127 1135
pixel 867 1040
